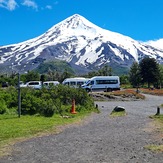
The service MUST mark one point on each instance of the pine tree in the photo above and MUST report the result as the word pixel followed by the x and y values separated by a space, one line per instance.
pixel 134 75
pixel 149 69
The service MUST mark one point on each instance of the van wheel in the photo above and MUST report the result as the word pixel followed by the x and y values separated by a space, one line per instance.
pixel 87 90
pixel 109 89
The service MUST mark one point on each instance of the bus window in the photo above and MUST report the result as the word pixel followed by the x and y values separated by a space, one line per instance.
pixel 79 83
pixel 72 83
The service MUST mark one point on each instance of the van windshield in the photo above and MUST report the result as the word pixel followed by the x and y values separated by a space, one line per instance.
pixel 87 82
pixel 90 82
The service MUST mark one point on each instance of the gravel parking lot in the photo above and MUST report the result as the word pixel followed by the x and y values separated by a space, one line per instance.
pixel 99 139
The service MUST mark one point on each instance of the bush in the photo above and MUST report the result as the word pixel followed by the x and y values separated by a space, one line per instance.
pixel 30 101
pixel 3 107
pixel 47 108
pixel 9 95
pixel 46 102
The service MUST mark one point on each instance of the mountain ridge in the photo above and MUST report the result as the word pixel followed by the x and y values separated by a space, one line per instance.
pixel 78 42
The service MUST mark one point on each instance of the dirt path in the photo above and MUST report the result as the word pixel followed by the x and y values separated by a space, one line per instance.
pixel 101 139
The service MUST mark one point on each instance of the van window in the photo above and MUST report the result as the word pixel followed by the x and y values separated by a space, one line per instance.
pixel 66 83
pixel 79 83
pixel 72 83
pixel 106 81
pixel 34 83
pixel 92 82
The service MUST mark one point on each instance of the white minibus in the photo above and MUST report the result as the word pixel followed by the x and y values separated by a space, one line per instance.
pixel 48 84
pixel 75 82
pixel 104 83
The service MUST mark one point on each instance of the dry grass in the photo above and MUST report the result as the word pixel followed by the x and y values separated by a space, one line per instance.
pixel 128 93
pixel 121 94
pixel 158 92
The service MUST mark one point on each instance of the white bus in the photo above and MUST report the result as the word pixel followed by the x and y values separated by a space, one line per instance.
pixel 104 83
pixel 48 84
pixel 75 82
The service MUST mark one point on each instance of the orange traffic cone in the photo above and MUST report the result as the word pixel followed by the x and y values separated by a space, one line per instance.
pixel 73 107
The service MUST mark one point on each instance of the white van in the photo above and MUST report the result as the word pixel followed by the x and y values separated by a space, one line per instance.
pixel 50 83
pixel 32 84
pixel 75 82
pixel 105 83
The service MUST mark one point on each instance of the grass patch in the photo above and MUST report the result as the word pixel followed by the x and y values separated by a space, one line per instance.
pixel 14 129
pixel 155 148
pixel 118 114
pixel 158 120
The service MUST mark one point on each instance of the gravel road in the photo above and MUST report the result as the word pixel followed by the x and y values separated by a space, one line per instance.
pixel 100 139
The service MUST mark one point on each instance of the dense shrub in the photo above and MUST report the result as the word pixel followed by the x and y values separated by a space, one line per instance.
pixel 47 108
pixel 9 95
pixel 46 101
pixel 3 106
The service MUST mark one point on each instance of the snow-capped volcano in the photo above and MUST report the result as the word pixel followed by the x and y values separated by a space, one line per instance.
pixel 79 42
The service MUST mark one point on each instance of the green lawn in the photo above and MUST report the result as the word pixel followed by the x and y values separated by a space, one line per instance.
pixel 13 128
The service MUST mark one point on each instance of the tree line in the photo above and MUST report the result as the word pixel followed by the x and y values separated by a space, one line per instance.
pixel 146 72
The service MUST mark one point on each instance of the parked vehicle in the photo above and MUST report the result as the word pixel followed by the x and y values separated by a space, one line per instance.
pixel 32 84
pixel 5 84
pixel 75 82
pixel 48 84
pixel 104 83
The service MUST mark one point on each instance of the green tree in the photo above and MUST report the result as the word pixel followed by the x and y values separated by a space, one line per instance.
pixel 124 79
pixel 32 76
pixel 65 74
pixel 105 71
pixel 91 74
pixel 134 75
pixel 160 80
pixel 42 78
pixel 149 69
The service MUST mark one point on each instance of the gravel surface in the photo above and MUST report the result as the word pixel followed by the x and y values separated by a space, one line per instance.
pixel 100 139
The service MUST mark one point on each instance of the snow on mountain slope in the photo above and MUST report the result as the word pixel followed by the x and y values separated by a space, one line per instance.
pixel 79 42
pixel 156 43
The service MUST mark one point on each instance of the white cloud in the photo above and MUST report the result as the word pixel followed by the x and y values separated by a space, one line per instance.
pixel 30 3
pixel 48 7
pixel 12 4
pixel 8 4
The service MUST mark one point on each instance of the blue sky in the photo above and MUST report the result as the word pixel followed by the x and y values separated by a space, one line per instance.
pixel 21 20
